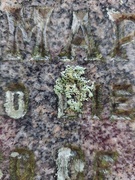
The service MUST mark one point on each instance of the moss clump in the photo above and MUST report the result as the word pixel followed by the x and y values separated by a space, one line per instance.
pixel 22 165
pixel 103 162
pixel 72 90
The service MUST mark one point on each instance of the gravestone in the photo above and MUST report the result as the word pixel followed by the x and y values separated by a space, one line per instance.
pixel 67 89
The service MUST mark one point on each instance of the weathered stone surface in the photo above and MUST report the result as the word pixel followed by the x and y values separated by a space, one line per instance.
pixel 38 39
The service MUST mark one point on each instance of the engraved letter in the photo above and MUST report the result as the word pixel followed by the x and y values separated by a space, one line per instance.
pixel 82 40
pixel 22 164
pixel 103 162
pixel 27 31
pixel 125 34
pixel 80 33
pixel 70 161
pixel 122 102
pixel 16 102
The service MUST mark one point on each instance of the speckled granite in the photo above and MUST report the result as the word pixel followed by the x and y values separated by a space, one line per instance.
pixel 37 60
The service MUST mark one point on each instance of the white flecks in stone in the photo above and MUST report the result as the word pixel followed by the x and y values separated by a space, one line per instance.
pixel 14 154
pixel 79 22
pixel 112 13
pixel 9 105
pixel 121 2
pixel 68 162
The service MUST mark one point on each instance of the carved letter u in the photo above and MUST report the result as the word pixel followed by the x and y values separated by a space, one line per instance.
pixel 10 107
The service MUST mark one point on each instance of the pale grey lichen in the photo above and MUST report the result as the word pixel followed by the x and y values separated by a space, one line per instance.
pixel 70 164
pixel 72 90
pixel 64 155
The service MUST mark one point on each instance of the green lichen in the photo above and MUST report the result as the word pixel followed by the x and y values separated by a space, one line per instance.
pixel 94 52
pixel 72 90
pixel 22 165
pixel 16 100
pixel 77 163
pixel 102 164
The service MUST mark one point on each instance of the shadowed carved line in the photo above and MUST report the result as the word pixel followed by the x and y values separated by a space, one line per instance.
pixel 118 17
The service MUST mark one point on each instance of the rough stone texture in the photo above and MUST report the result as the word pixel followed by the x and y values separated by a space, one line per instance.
pixel 107 122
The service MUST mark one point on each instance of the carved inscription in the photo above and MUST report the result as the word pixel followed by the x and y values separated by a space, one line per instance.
pixel 82 45
pixel 27 36
pixel 125 32
pixel 27 32
pixel 70 164
pixel 102 164
pixel 22 165
pixel 122 102
pixel 16 101
pixel 80 39
pixel 1 158
pixel 42 18
pixel 97 104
